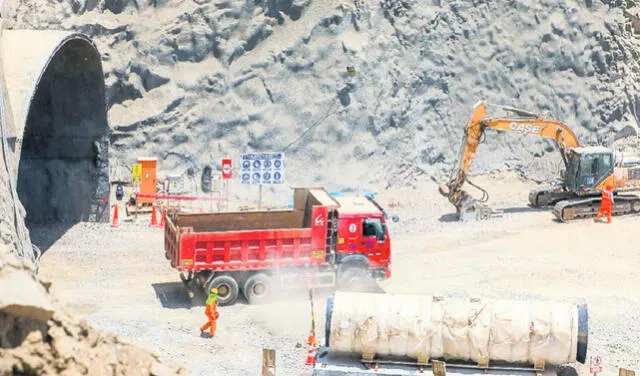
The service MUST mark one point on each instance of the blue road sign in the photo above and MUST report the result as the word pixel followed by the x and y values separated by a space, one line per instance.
pixel 262 168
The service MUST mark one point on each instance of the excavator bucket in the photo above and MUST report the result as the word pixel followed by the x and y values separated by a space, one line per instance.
pixel 470 209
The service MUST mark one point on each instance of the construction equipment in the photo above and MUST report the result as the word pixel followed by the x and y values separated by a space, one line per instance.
pixel 588 169
pixel 322 242
pixel 393 334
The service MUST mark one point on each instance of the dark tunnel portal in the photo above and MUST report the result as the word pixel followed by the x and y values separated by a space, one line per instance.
pixel 63 171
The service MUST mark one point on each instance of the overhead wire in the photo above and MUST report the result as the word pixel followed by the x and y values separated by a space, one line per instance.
pixel 327 114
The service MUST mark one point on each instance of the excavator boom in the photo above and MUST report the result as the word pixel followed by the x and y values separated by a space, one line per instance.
pixel 526 123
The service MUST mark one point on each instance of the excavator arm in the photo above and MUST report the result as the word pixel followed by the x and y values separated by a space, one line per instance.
pixel 526 123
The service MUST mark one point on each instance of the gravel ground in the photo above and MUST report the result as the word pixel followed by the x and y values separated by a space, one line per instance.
pixel 119 280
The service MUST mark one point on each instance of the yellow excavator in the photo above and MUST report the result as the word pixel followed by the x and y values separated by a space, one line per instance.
pixel 588 169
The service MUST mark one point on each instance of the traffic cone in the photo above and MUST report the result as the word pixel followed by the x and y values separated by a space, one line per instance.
pixel 115 222
pixel 311 353
pixel 154 220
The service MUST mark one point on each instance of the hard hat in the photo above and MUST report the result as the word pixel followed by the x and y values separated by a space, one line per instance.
pixel 214 291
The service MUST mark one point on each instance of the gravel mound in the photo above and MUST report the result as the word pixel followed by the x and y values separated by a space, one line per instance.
pixel 36 338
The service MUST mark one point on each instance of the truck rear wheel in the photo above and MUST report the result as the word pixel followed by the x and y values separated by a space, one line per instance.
pixel 258 288
pixel 354 280
pixel 227 289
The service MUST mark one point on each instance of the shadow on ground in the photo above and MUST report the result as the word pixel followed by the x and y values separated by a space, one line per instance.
pixel 453 217
pixel 174 295
pixel 524 209
pixel 44 236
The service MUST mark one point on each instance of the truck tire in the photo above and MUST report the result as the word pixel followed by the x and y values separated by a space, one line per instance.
pixel 227 289
pixel 258 288
pixel 354 280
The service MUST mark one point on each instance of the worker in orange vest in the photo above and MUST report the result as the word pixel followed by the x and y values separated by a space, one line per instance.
pixel 607 202
pixel 211 310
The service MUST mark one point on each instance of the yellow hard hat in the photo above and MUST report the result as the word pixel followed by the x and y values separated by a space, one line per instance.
pixel 214 291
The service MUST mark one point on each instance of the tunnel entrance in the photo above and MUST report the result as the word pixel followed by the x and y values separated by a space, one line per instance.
pixel 63 172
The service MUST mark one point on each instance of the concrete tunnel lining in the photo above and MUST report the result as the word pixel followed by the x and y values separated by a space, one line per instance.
pixel 61 112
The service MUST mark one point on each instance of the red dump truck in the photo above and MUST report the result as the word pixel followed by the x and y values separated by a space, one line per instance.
pixel 323 241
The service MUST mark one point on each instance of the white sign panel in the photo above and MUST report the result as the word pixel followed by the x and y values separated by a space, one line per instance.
pixel 262 168
pixel 175 184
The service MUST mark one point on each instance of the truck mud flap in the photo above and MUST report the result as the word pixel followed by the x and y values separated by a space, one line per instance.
pixel 189 283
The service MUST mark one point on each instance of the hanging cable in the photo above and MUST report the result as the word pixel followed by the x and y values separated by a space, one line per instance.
pixel 327 114
pixel 485 194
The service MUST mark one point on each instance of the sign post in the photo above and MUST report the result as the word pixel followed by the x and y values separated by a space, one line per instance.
pixel 262 168
pixel 226 176
pixel 626 372
pixel 268 362
pixel 595 365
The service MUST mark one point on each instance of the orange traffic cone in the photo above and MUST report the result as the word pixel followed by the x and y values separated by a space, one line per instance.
pixel 162 217
pixel 154 220
pixel 311 353
pixel 115 222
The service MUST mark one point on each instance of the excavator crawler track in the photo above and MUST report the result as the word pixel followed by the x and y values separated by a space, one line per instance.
pixel 548 196
pixel 588 207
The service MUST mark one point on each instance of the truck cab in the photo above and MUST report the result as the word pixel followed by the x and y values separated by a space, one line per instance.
pixel 363 234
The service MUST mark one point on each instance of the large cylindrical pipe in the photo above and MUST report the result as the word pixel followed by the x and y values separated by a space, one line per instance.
pixel 478 330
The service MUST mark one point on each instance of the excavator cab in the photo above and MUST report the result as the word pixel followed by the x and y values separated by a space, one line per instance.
pixel 587 167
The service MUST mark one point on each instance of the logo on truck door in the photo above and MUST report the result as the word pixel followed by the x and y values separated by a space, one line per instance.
pixel 319 221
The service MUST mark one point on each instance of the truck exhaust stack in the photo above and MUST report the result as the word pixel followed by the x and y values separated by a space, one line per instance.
pixel 423 327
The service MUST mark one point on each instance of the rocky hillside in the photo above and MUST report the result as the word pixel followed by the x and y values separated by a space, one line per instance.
pixel 191 81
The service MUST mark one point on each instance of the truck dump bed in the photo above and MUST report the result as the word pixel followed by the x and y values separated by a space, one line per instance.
pixel 251 240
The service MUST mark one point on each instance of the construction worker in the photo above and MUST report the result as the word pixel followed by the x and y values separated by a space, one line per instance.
pixel 606 203
pixel 211 310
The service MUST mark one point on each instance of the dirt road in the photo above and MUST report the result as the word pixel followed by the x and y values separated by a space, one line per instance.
pixel 119 280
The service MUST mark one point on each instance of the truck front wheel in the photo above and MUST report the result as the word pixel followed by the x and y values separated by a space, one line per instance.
pixel 227 289
pixel 258 288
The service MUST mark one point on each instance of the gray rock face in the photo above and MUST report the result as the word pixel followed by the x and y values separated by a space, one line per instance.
pixel 192 81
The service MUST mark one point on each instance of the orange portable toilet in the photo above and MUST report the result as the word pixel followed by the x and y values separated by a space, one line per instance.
pixel 148 179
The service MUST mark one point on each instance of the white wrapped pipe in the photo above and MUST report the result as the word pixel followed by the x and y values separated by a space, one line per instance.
pixel 423 327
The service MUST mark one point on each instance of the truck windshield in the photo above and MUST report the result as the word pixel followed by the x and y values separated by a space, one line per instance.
pixel 373 227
